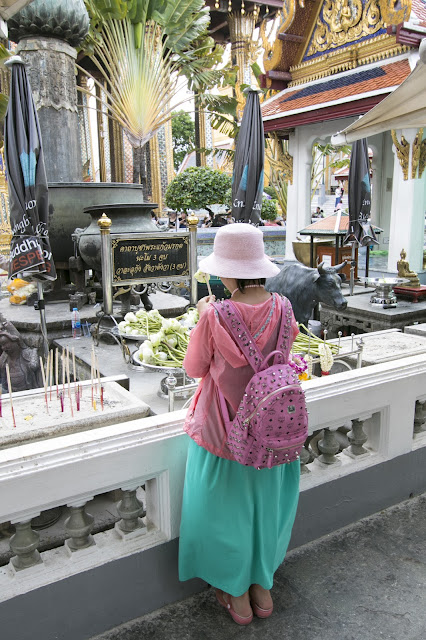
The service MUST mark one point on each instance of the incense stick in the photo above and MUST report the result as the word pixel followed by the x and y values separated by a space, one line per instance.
pixel 73 366
pixel 69 382
pixel 43 375
pixel 63 369
pixel 9 386
pixel 51 372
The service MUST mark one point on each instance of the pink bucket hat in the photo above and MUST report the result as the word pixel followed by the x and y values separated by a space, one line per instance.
pixel 238 252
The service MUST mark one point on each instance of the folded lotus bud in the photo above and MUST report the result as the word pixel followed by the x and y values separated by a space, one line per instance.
pixel 201 277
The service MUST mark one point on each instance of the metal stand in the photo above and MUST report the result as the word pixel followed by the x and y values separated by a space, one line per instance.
pixel 104 224
pixel 353 265
pixel 40 306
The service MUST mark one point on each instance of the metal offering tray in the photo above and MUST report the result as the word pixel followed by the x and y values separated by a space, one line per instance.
pixel 384 296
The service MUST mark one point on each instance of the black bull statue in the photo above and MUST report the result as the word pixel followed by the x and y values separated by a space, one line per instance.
pixel 305 287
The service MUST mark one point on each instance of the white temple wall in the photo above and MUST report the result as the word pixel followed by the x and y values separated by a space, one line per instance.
pixel 299 193
pixel 407 213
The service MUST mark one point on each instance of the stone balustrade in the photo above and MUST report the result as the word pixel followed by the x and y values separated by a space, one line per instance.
pixel 357 419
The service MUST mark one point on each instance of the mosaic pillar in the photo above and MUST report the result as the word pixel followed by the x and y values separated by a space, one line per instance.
pixel 161 164
pixel 47 32
pixel 241 27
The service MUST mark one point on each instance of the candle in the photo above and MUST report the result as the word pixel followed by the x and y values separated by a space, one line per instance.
pixel 9 386
pixel 73 366
pixel 56 370
pixel 98 373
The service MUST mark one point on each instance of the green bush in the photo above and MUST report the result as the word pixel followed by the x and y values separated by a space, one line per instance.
pixel 269 209
pixel 197 187
pixel 270 190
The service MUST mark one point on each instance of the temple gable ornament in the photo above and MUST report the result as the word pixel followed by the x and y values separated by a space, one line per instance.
pixel 418 154
pixel 339 35
pixel 342 22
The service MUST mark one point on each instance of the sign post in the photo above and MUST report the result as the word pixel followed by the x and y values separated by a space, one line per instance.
pixel 104 224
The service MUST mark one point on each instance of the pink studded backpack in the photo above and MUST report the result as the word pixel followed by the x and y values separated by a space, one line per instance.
pixel 271 424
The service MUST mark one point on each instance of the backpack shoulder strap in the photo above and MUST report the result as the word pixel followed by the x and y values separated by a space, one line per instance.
pixel 242 336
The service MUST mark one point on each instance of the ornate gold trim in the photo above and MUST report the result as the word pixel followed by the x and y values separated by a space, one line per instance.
pixel 422 159
pixel 415 159
pixel 273 52
pixel 281 161
pixel 169 150
pixel 390 15
pixel 379 48
pixel 403 152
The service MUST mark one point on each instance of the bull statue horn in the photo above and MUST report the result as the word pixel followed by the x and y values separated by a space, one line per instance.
pixel 335 269
pixel 338 267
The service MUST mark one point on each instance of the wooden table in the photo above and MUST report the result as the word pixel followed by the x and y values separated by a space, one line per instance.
pixel 361 316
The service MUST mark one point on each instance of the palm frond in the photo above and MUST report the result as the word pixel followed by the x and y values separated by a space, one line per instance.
pixel 183 21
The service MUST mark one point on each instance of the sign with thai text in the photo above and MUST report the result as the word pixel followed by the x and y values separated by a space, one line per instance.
pixel 139 258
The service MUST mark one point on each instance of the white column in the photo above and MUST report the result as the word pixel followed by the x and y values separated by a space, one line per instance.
pixel 299 193
pixel 407 212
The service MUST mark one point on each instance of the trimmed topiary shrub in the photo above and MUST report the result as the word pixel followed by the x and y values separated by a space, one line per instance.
pixel 269 209
pixel 197 187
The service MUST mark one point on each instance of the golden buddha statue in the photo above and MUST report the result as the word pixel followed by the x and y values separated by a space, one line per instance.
pixel 404 271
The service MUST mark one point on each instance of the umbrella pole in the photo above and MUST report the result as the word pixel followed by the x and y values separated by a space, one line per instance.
pixel 352 276
pixel 40 306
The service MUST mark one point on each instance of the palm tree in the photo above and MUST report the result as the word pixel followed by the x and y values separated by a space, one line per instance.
pixel 145 49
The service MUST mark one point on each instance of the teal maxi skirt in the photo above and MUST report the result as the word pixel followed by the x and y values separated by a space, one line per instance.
pixel 236 521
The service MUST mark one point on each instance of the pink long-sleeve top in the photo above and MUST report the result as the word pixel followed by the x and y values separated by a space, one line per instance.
pixel 214 357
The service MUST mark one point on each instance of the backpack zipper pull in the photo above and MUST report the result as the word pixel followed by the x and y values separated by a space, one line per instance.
pixel 270 456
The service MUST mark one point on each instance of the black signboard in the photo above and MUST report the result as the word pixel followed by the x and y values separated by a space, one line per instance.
pixel 139 258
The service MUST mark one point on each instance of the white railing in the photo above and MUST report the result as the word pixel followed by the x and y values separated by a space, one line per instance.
pixel 381 404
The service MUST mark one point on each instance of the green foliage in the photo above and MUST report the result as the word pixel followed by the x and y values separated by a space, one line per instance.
pixel 269 209
pixel 183 135
pixel 339 157
pixel 270 190
pixel 197 187
pixel 142 48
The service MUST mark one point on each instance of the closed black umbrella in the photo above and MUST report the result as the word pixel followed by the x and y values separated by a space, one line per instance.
pixel 360 231
pixel 359 196
pixel 247 180
pixel 30 252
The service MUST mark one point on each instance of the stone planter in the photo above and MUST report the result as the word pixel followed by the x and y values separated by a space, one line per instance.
pixel 66 208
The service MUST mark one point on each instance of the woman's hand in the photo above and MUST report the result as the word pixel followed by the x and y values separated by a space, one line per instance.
pixel 203 303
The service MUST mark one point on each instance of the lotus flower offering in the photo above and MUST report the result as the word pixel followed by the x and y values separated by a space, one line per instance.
pixel 166 345
pixel 203 278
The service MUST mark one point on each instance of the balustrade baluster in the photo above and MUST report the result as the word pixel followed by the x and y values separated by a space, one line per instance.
pixel 79 526
pixel 328 446
pixel 131 510
pixel 24 544
pixel 357 437
pixel 419 417
pixel 304 460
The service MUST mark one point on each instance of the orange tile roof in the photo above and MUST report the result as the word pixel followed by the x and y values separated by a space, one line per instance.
pixel 327 225
pixel 418 10
pixel 321 93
